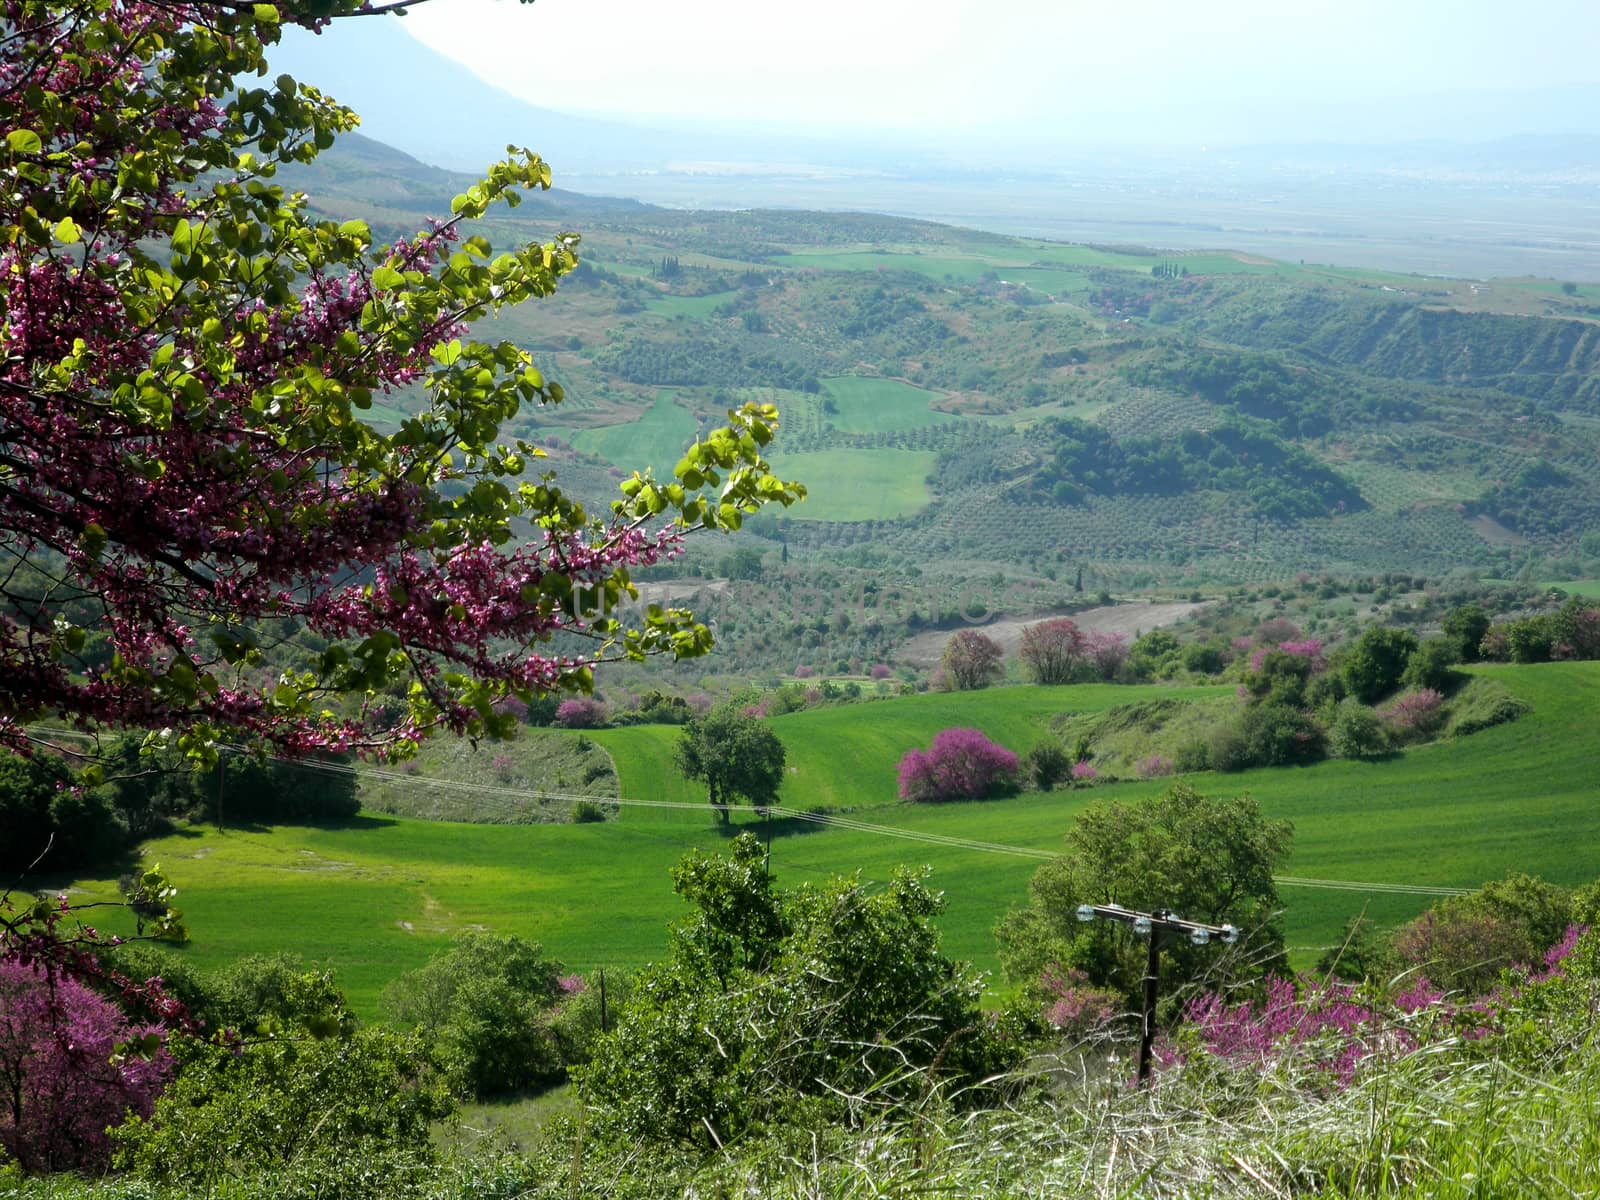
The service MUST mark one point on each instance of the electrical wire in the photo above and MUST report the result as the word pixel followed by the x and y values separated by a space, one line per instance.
pixel 509 795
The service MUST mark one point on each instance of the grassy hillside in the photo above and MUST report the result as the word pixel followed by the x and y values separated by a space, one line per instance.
pixel 378 895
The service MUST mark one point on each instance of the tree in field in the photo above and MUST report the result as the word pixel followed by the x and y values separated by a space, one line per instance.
pixel 971 660
pixel 187 355
pixel 1204 858
pixel 1053 651
pixel 735 756
pixel 961 764
pixel 1372 665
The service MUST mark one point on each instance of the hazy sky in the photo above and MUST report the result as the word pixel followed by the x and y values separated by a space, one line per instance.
pixel 1067 66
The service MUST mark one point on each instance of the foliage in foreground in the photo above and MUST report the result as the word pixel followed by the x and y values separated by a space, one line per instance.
pixel 788 1007
pixel 186 355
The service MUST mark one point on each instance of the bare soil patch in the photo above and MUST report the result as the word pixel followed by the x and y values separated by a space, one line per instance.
pixel 924 649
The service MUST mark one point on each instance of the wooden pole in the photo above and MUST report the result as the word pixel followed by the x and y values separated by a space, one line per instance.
pixel 1147 1034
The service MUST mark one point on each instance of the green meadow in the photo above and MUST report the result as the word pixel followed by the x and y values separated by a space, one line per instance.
pixel 858 485
pixel 696 307
pixel 376 896
pixel 656 439
pixel 867 405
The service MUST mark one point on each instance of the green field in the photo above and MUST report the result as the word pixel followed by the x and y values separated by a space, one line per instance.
pixel 858 485
pixel 866 405
pixel 656 439
pixel 697 307
pixel 378 895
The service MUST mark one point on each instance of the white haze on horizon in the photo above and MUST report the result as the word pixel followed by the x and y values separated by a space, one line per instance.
pixel 1152 71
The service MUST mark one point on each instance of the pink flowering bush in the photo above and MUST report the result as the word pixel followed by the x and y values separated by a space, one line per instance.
pixel 1328 1024
pixel 1073 1004
pixel 880 670
pixel 1414 714
pixel 961 764
pixel 62 1088
pixel 1153 767
pixel 581 712
pixel 1084 772
pixel 1107 653
pixel 803 672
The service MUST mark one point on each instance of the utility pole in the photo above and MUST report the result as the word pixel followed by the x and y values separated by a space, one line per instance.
pixel 1155 926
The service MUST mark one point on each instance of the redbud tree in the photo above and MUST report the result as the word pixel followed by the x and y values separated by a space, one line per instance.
pixel 186 358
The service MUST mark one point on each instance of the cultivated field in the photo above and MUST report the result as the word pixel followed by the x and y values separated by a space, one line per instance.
pixel 378 895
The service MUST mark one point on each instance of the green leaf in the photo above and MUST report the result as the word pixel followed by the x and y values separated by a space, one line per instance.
pixel 66 230
pixel 266 14
pixel 386 279
pixel 24 141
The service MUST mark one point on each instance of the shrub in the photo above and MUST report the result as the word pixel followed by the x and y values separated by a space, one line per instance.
pixel 1432 665
pixel 1192 756
pixel 1357 731
pixel 581 712
pixel 1373 663
pixel 961 764
pixel 1074 1005
pixel 1046 765
pixel 487 1005
pixel 1083 771
pixel 1154 767
pixel 1272 734
pixel 880 671
pixel 62 1086
pixel 1414 714
pixel 780 1006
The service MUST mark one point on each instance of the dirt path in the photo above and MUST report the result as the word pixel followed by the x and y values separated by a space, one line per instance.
pixel 924 649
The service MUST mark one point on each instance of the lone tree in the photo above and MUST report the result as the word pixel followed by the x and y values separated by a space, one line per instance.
pixel 1054 651
pixel 186 358
pixel 735 756
pixel 1204 858
pixel 971 660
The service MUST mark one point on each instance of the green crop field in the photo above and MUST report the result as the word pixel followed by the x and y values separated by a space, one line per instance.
pixel 696 307
pixel 867 405
pixel 656 439
pixel 376 896
pixel 858 485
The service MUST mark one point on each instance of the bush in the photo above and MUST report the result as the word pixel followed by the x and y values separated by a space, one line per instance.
pixel 1046 765
pixel 1270 734
pixel 340 1102
pixel 780 1006
pixel 1357 731
pixel 1464 942
pixel 1373 664
pixel 1153 767
pixel 488 1004
pixel 1414 715
pixel 63 1087
pixel 1191 756
pixel 581 712
pixel 961 764
pixel 1432 665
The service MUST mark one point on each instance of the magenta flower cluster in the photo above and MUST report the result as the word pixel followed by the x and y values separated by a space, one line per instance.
pixel 961 764
pixel 64 1084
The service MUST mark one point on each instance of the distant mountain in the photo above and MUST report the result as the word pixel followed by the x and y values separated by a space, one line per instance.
pixel 432 107
pixel 371 174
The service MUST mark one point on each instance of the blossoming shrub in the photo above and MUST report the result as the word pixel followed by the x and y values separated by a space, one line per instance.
pixel 961 764
pixel 62 1089
pixel 1414 715
pixel 584 712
